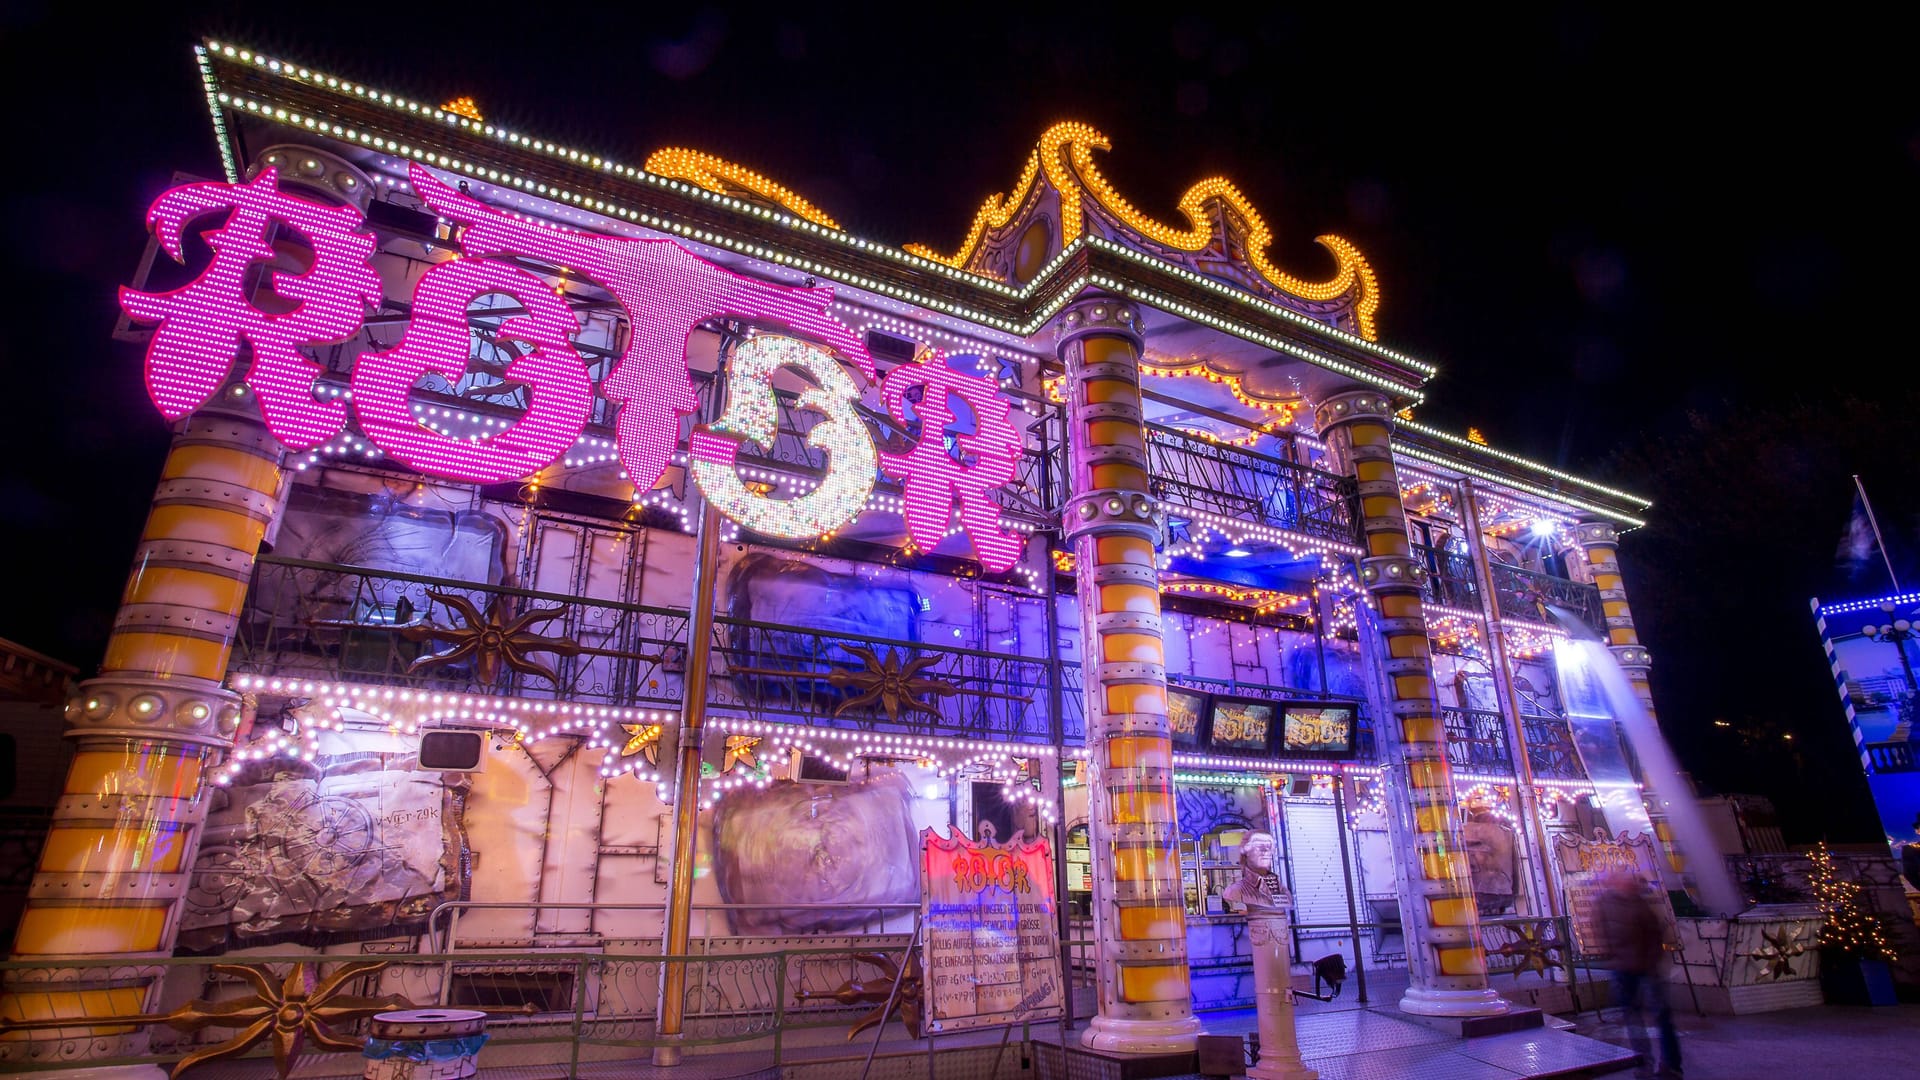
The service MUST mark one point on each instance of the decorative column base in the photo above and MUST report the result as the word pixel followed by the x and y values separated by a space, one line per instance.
pixel 1424 1002
pixel 1273 1001
pixel 1141 1036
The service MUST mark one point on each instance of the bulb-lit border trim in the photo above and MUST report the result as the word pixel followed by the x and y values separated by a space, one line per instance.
pixel 1481 448
pixel 1401 449
pixel 224 137
pixel 400 104
pixel 1845 607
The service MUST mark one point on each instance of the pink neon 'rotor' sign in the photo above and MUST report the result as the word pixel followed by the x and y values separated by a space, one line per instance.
pixel 667 292
pixel 935 481
pixel 560 393
pixel 204 324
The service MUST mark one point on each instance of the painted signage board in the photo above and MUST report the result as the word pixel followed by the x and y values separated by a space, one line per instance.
pixel 1872 646
pixel 1585 867
pixel 992 932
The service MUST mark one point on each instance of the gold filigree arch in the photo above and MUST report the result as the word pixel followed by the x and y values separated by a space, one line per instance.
pixel 1065 157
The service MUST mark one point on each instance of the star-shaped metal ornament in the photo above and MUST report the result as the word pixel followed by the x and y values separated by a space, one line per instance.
pixel 643 739
pixel 1775 957
pixel 299 1008
pixel 1532 945
pixel 890 683
pixel 491 639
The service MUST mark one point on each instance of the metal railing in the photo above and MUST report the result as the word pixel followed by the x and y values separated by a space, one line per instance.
pixel 442 930
pixel 790 674
pixel 1550 749
pixel 1477 740
pixel 1522 593
pixel 1249 486
pixel 582 1005
pixel 1449 577
pixel 337 622
pixel 1518 945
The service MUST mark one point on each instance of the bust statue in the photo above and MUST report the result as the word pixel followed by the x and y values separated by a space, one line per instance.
pixel 1258 888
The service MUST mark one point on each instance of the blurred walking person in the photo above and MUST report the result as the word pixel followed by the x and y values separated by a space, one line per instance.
pixel 1634 937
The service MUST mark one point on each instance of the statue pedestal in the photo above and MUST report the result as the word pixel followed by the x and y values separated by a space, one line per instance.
pixel 1273 999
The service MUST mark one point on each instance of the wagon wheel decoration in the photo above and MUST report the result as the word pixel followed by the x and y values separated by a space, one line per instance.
pixel 1532 945
pixel 879 991
pixel 329 836
pixel 891 683
pixel 300 1007
pixel 491 639
pixel 224 874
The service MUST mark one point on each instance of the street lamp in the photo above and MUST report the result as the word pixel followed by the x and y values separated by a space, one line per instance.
pixel 1895 632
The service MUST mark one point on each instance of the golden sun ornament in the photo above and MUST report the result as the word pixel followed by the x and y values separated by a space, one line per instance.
pixel 491 639
pixel 892 684
pixel 300 1007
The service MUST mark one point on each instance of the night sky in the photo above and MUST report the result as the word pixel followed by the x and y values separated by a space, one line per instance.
pixel 1676 255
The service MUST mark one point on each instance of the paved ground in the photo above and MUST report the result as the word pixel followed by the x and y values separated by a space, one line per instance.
pixel 1848 1042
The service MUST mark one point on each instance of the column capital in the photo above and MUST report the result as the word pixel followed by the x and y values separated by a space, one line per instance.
pixel 1097 313
pixel 1632 657
pixel 1591 533
pixel 1111 510
pixel 1386 572
pixel 187 712
pixel 1347 406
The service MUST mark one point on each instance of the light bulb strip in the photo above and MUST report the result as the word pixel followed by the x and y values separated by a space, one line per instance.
pixel 389 697
pixel 1401 449
pixel 326 125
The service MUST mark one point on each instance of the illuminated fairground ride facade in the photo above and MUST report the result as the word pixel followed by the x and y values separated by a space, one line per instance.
pixel 747 548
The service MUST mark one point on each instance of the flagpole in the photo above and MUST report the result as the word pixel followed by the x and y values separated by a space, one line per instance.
pixel 1877 538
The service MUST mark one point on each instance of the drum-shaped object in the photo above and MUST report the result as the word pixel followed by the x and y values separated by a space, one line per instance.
pixel 424 1044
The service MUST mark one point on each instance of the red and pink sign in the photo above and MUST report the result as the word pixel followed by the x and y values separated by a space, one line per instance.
pixel 205 327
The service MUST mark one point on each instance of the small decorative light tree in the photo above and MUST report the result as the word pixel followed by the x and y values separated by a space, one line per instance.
pixel 1850 928
pixel 1853 941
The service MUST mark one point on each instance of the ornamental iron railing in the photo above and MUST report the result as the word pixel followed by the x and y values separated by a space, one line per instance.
pixel 1522 945
pixel 1477 740
pixel 561 1009
pixel 1242 485
pixel 1550 750
pixel 346 623
pixel 1449 577
pixel 1525 594
pixel 790 674
pixel 326 621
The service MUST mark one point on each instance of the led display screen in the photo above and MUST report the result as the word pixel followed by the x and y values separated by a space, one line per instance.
pixel 1185 711
pixel 1319 730
pixel 1241 725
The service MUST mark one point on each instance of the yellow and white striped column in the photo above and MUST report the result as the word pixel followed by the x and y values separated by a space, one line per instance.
pixel 1601 543
pixel 148 731
pixel 1113 523
pixel 1447 967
